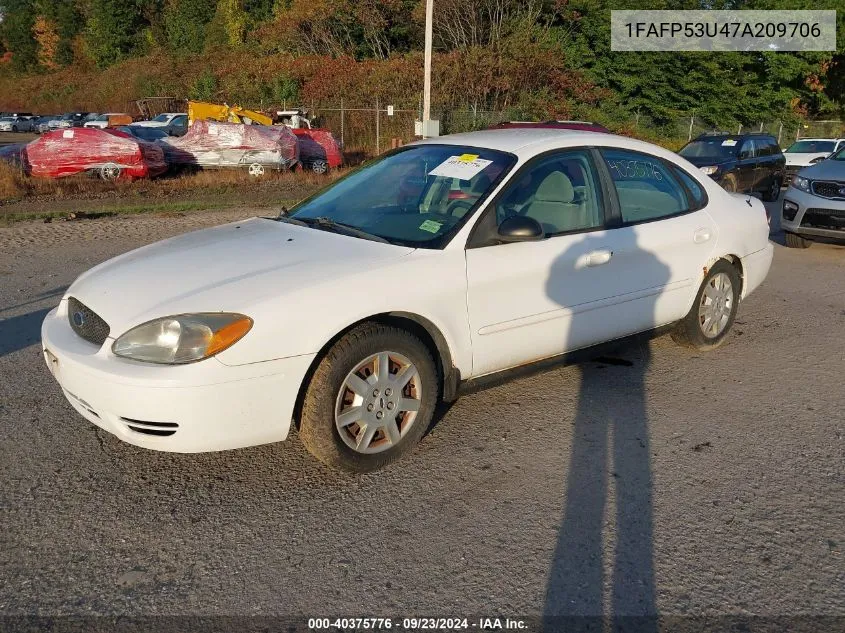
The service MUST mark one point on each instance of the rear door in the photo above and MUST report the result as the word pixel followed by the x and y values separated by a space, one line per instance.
pixel 746 176
pixel 664 239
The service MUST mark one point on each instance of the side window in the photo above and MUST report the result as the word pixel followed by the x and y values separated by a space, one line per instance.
pixel 748 150
pixel 645 187
pixel 560 191
pixel 763 147
pixel 699 198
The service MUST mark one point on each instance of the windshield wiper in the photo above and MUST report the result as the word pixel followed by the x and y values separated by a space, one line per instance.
pixel 325 223
pixel 288 220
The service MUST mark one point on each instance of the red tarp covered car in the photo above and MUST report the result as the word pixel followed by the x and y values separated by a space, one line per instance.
pixel 319 151
pixel 218 144
pixel 108 153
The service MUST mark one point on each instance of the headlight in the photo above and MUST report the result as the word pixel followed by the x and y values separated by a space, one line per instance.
pixel 801 183
pixel 709 170
pixel 184 338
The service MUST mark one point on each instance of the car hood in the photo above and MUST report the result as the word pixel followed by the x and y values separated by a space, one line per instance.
pixel 828 169
pixel 795 158
pixel 226 268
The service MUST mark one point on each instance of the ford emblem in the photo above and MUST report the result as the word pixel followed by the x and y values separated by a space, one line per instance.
pixel 79 319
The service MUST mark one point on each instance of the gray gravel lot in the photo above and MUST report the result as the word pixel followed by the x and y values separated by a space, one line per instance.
pixel 654 480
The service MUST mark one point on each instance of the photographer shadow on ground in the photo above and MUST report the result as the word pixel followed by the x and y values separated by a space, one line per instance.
pixel 603 561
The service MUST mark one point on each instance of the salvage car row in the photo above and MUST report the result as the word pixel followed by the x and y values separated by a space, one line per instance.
pixel 147 149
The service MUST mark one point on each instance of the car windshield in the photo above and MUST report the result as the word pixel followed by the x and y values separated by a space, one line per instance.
pixel 811 147
pixel 162 118
pixel 145 133
pixel 7 118
pixel 418 196
pixel 716 147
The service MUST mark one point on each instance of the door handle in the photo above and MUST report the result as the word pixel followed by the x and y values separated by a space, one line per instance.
pixel 597 258
pixel 701 235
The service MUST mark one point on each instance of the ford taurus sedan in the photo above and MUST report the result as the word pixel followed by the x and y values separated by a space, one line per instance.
pixel 440 264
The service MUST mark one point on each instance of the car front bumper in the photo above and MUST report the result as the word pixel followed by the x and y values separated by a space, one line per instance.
pixel 815 216
pixel 204 406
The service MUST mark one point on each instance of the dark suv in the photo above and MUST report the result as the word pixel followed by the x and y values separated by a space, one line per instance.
pixel 740 162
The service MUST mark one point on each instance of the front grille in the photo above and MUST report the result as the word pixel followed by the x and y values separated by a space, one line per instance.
pixel 828 189
pixel 86 323
pixel 824 218
pixel 158 429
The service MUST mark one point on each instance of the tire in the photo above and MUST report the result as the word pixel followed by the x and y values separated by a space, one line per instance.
pixel 729 183
pixel 328 399
pixel 796 241
pixel 14 128
pixel 110 172
pixel 320 167
pixel 690 331
pixel 773 192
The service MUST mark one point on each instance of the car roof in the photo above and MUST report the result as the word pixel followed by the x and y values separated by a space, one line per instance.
pixel 528 142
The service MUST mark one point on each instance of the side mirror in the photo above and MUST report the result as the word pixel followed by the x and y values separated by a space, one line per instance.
pixel 519 228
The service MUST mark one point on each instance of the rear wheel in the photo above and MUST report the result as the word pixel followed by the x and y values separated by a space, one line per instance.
pixel 110 171
pixel 370 400
pixel 796 241
pixel 320 166
pixel 712 314
pixel 773 192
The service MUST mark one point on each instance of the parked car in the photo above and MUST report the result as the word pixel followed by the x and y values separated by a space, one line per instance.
pixel 69 119
pixel 814 203
pixel 151 134
pixel 352 315
pixel 174 123
pixel 15 123
pixel 109 154
pixel 584 126
pixel 215 144
pixel 42 124
pixel 808 151
pixel 751 163
pixel 319 150
pixel 109 119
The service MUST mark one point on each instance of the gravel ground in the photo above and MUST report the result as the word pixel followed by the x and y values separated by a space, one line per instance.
pixel 657 480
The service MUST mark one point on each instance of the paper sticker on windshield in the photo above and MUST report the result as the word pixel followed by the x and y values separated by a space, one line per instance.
pixel 729 142
pixel 67 134
pixel 464 167
pixel 431 226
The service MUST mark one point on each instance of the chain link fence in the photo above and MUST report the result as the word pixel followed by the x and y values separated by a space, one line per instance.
pixel 370 129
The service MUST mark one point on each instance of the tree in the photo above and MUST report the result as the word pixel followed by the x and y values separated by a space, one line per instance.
pixel 16 33
pixel 185 24
pixel 113 29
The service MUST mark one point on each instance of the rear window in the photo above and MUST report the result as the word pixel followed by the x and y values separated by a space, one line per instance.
pixel 716 147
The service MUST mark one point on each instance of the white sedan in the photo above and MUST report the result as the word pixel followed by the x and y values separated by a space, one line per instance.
pixel 446 261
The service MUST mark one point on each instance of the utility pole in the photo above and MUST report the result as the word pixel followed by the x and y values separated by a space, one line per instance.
pixel 429 30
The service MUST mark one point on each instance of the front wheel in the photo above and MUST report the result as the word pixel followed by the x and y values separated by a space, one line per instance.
pixel 709 320
pixel 794 240
pixel 370 400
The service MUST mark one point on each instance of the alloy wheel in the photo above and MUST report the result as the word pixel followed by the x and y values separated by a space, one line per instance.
pixel 378 402
pixel 714 310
